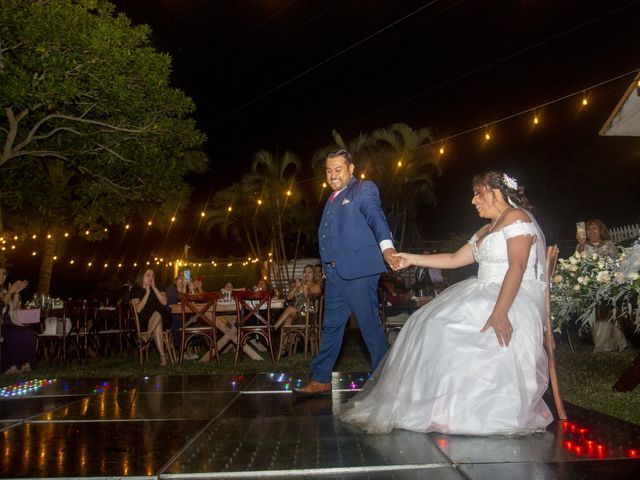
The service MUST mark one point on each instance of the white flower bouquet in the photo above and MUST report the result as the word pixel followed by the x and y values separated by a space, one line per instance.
pixel 584 284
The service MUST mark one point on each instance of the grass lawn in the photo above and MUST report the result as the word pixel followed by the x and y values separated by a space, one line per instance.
pixel 585 378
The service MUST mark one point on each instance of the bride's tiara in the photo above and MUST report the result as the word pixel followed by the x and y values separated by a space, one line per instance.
pixel 509 182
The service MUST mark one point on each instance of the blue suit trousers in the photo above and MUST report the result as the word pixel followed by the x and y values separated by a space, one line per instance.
pixel 341 298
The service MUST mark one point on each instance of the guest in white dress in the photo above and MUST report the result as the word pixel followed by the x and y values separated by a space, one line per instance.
pixel 471 361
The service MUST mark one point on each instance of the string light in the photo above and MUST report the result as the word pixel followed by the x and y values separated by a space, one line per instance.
pixel 126 227
pixel 441 149
pixel 149 223
pixel 487 134
pixel 86 232
pixel 399 163
pixel 324 184
pixel 584 99
pixel 536 120
pixel 259 202
pixel 288 193
pixel 34 236
pixel 202 214
pixel 229 209
pixel 362 176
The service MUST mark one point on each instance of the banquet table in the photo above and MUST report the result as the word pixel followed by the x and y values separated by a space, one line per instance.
pixel 225 322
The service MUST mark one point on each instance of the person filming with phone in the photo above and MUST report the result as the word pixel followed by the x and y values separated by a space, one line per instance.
pixel 593 237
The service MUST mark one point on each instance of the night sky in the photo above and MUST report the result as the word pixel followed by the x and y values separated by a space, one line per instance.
pixel 282 74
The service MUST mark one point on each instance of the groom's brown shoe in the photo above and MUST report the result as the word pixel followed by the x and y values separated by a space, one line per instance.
pixel 314 388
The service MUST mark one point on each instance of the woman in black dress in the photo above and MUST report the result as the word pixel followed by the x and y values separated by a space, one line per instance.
pixel 18 341
pixel 150 303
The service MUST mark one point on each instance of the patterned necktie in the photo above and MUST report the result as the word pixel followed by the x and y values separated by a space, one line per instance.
pixel 333 197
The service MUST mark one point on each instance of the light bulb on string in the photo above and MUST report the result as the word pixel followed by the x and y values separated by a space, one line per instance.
pixel 324 184
pixel 487 134
pixel 584 99
pixel 441 149
pixel 202 214
pixel 362 176
pixel 536 119
pixel 149 223
pixel 34 236
pixel 126 227
pixel 229 209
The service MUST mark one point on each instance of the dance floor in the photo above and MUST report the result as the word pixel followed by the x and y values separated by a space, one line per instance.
pixel 250 426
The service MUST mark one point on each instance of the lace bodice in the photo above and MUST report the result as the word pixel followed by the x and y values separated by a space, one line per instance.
pixel 491 253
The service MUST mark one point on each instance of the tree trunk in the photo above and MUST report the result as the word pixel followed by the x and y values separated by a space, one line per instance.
pixel 46 267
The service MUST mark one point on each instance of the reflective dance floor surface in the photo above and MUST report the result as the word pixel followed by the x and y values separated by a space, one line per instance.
pixel 252 426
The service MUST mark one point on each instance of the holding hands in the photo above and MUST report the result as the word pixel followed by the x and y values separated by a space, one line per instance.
pixel 391 258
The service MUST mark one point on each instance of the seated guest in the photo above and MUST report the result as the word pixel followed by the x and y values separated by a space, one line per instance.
pixel 318 275
pixel 150 303
pixel 18 341
pixel 607 336
pixel 395 302
pixel 261 286
pixel 597 240
pixel 227 290
pixel 297 297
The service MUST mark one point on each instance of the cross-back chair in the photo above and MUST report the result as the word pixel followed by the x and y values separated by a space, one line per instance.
pixel 254 319
pixel 143 342
pixel 307 333
pixel 201 310
pixel 549 342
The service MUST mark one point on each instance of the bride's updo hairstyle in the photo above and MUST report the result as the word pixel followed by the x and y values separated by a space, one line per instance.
pixel 508 186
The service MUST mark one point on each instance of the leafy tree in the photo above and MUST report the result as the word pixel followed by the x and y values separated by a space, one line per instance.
pixel 90 129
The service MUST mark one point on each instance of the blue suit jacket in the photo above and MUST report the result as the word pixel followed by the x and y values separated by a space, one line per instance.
pixel 352 227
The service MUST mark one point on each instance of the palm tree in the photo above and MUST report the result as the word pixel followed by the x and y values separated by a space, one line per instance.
pixel 410 166
pixel 358 148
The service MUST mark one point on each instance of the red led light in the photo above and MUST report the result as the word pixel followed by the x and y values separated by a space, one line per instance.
pixel 442 442
pixel 633 453
pixel 578 450
pixel 582 431
pixel 568 445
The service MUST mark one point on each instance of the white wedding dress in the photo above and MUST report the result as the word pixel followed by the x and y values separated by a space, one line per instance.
pixel 443 375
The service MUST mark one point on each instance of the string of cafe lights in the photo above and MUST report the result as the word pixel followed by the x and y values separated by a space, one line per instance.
pixel 9 243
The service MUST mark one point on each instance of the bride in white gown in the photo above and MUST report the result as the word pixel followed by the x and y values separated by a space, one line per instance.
pixel 471 361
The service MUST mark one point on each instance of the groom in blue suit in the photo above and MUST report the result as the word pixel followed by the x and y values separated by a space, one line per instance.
pixel 355 241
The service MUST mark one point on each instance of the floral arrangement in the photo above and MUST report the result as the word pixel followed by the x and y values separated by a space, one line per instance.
pixel 583 283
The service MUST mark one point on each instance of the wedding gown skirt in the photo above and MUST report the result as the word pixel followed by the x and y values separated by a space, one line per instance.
pixel 443 375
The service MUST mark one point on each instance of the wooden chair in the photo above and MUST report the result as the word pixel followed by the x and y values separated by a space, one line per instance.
pixel 549 342
pixel 307 333
pixel 143 342
pixel 53 337
pixel 199 320
pixel 254 319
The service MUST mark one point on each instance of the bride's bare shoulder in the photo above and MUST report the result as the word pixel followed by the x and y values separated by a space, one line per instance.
pixel 514 215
